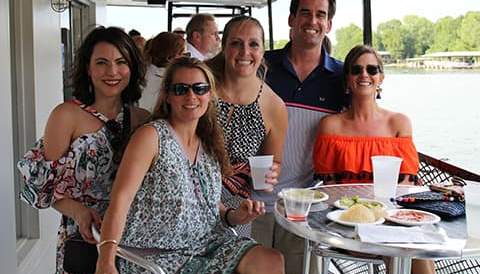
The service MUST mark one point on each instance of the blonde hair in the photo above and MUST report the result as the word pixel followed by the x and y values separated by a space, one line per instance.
pixel 208 130
pixel 217 63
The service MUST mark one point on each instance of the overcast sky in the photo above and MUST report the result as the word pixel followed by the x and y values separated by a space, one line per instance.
pixel 150 21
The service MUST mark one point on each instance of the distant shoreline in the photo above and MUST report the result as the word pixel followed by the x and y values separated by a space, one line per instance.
pixel 404 66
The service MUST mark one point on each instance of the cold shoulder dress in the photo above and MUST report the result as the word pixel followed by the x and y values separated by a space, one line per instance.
pixel 85 174
pixel 175 213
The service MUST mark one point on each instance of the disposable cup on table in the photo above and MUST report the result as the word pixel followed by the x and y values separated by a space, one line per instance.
pixel 472 208
pixel 297 203
pixel 385 175
pixel 259 167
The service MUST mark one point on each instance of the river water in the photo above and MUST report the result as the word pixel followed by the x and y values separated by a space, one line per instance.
pixel 445 111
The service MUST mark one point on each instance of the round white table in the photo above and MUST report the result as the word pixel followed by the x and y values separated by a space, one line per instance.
pixel 319 229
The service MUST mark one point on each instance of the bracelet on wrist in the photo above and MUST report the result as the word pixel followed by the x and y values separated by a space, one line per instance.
pixel 226 217
pixel 104 242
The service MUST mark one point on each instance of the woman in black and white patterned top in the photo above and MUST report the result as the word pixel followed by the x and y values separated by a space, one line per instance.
pixel 252 116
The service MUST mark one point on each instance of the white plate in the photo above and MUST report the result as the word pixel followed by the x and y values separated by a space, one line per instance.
pixel 335 217
pixel 339 205
pixel 428 218
pixel 319 196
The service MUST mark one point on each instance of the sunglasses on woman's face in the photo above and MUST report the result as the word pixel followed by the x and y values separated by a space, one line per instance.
pixel 180 89
pixel 371 69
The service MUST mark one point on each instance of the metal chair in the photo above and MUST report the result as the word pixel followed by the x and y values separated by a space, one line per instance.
pixel 431 171
pixel 134 256
pixel 131 256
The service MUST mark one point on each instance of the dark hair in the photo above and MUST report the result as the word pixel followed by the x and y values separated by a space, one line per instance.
pixel 332 7
pixel 217 63
pixel 327 44
pixel 208 130
pixel 197 23
pixel 351 58
pixel 82 85
pixel 164 47
pixel 134 32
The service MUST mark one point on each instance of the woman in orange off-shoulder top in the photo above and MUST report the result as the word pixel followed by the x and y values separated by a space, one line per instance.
pixel 347 140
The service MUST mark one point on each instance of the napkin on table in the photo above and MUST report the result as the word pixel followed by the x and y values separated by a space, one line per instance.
pixel 398 234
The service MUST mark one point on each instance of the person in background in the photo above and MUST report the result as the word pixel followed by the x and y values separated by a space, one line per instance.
pixel 179 31
pixel 167 192
pixel 309 81
pixel 347 140
pixel 72 167
pixel 252 116
pixel 202 36
pixel 163 48
pixel 138 39
pixel 134 33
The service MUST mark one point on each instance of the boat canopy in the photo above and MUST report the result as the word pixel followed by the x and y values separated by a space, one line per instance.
pixel 237 7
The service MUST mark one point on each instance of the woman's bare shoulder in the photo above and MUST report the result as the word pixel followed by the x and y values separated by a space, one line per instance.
pixel 400 123
pixel 330 124
pixel 271 97
pixel 66 112
pixel 272 102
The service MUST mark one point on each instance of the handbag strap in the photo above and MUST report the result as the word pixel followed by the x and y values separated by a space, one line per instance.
pixel 100 116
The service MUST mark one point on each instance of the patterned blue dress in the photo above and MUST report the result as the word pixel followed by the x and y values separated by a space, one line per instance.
pixel 175 213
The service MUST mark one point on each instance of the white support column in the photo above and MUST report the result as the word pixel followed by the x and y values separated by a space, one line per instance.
pixel 8 256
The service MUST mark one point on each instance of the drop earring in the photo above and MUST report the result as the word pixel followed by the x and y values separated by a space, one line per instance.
pixel 379 90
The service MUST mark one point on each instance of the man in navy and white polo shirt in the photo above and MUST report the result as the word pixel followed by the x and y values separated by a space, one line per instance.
pixel 310 82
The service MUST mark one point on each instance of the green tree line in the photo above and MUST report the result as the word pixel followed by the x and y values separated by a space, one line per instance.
pixel 415 35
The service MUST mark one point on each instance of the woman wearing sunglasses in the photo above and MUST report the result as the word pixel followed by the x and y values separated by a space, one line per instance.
pixel 166 196
pixel 252 116
pixel 346 140
pixel 72 167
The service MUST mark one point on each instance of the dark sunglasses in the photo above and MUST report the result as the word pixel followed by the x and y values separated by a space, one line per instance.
pixel 116 129
pixel 179 89
pixel 371 70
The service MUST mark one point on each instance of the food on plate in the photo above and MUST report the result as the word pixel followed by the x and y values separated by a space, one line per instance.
pixel 358 213
pixel 350 201
pixel 379 212
pixel 412 216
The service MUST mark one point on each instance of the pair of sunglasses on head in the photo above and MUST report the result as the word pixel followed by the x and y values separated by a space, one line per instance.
pixel 371 69
pixel 179 89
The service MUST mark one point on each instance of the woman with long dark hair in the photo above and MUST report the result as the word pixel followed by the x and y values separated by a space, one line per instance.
pixel 72 167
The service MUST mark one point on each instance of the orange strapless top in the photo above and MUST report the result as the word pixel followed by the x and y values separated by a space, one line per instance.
pixel 337 154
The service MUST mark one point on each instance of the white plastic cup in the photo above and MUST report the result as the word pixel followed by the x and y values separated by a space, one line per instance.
pixel 259 167
pixel 472 208
pixel 385 175
pixel 297 203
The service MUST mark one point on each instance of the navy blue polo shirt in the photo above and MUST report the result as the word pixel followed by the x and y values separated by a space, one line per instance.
pixel 307 102
pixel 322 89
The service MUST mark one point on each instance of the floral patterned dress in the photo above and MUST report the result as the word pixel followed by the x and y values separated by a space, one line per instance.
pixel 175 214
pixel 85 173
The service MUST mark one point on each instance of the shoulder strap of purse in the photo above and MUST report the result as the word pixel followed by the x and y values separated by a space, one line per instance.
pixel 91 110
